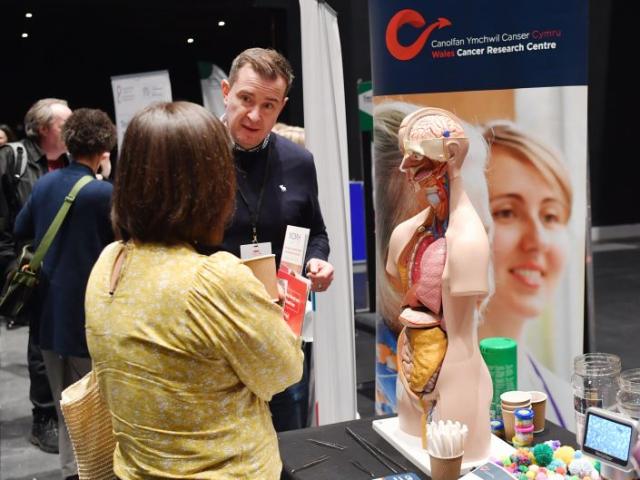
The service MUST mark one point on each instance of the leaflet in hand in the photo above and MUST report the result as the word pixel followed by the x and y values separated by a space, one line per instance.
pixel 294 248
pixel 296 290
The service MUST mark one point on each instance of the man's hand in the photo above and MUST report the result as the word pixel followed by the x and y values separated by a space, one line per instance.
pixel 635 457
pixel 320 273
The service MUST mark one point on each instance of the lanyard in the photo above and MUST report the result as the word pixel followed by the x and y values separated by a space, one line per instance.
pixel 254 214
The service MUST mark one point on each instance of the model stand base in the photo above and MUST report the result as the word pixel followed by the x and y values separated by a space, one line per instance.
pixel 411 447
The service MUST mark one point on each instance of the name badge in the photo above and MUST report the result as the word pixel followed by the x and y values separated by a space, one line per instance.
pixel 251 250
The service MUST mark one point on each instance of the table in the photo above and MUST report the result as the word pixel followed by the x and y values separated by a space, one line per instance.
pixel 295 451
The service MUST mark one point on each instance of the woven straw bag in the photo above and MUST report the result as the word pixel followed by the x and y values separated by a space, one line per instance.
pixel 88 421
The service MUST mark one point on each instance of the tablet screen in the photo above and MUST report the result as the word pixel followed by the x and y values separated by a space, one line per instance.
pixel 608 439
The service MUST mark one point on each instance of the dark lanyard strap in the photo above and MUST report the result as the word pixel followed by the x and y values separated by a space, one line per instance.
pixel 255 214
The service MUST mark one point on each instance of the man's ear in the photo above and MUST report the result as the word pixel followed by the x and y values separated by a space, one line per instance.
pixel 226 88
pixel 284 102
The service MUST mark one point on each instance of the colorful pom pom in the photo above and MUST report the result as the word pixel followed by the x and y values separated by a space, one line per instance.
pixel 565 454
pixel 543 454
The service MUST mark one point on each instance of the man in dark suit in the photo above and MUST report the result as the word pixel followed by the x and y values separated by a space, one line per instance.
pixel 59 305
pixel 277 187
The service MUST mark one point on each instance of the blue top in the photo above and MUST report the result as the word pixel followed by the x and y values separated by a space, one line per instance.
pixel 59 304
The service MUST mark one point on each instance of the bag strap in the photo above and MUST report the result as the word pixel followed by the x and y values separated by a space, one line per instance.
pixel 20 155
pixel 41 251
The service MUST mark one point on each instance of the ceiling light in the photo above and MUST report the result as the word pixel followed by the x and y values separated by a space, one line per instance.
pixel 25 35
pixel 28 14
pixel 221 23
pixel 190 40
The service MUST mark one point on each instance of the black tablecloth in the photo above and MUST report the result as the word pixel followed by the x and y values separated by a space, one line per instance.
pixel 295 451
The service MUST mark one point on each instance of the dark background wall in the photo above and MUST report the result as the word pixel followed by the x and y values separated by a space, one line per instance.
pixel 75 46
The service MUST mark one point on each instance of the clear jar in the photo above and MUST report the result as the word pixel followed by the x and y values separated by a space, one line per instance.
pixel 629 393
pixel 595 384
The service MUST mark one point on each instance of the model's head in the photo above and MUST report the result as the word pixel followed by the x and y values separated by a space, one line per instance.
pixel 255 94
pixel 89 133
pixel 530 197
pixel 6 134
pixel 43 123
pixel 175 180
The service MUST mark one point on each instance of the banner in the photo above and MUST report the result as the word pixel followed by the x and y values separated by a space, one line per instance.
pixel 517 72
pixel 131 93
pixel 211 77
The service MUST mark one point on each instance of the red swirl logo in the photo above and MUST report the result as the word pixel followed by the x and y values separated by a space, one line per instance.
pixel 416 20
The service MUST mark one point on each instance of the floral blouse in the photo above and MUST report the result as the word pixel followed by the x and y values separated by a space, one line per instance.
pixel 188 350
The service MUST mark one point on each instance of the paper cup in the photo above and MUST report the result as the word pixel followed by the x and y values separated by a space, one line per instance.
pixel 508 419
pixel 264 269
pixel 445 468
pixel 539 406
pixel 515 398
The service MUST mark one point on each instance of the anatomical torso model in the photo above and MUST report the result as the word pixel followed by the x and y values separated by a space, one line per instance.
pixel 439 260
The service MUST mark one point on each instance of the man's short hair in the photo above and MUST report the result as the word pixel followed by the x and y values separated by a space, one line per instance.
pixel 265 62
pixel 175 180
pixel 88 132
pixel 40 115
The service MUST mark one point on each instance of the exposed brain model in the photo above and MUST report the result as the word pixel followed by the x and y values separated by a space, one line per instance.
pixel 438 261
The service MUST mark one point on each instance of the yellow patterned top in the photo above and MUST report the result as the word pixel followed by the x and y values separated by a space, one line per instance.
pixel 188 351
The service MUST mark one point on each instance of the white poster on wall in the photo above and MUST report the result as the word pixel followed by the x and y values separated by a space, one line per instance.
pixel 131 93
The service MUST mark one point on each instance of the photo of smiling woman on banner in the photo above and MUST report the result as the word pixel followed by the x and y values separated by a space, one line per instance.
pixel 538 210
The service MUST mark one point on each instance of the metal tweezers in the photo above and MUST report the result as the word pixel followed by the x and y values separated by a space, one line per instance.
pixel 375 451
pixel 310 464
pixel 362 468
pixel 336 446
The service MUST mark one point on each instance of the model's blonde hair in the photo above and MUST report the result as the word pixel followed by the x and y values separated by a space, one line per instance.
pixel 540 156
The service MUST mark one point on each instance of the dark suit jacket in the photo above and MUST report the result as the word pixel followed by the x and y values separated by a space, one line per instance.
pixel 290 198
pixel 86 230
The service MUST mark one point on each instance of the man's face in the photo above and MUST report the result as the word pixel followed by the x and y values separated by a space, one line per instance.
pixel 253 104
pixel 51 135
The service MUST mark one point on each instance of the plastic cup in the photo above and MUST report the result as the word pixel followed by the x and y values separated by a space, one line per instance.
pixel 539 406
pixel 264 269
pixel 445 468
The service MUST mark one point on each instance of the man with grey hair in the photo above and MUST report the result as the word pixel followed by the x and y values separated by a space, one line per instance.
pixel 21 164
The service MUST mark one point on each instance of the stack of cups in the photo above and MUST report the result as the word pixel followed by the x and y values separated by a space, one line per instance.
pixel 523 427
pixel 510 402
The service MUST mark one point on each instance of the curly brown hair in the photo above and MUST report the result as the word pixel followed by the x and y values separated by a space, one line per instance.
pixel 88 132
pixel 175 180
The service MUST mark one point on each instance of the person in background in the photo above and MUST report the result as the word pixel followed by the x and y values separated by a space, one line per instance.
pixel 6 134
pixel 277 187
pixel 187 348
pixel 58 309
pixel 290 132
pixel 42 151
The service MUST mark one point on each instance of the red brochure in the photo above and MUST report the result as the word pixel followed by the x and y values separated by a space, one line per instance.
pixel 296 290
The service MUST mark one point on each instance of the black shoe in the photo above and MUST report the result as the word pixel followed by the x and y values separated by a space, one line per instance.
pixel 44 433
pixel 72 477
